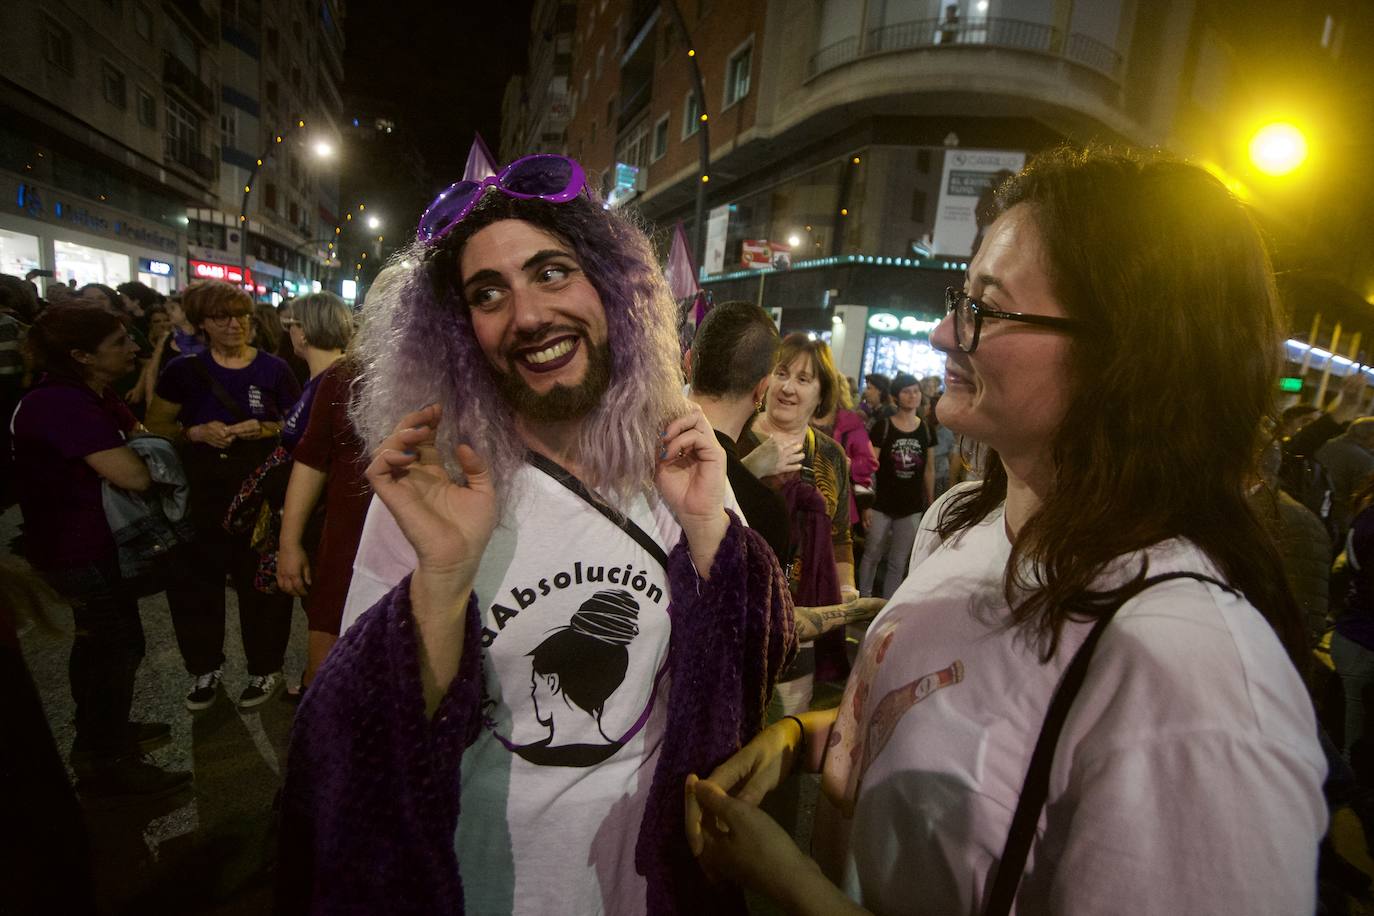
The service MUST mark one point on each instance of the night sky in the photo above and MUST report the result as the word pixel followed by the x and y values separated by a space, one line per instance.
pixel 445 63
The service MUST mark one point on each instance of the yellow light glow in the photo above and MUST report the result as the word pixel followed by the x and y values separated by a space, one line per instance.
pixel 1277 149
pixel 705 178
pixel 703 117
pixel 844 211
pixel 361 208
pixel 856 160
pixel 300 123
pixel 278 138
pixel 247 188
pixel 691 52
pixel 259 162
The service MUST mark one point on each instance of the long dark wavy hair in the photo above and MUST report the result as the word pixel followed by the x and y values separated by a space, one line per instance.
pixel 1168 388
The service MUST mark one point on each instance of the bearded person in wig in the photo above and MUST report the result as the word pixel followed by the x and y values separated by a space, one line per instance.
pixel 556 614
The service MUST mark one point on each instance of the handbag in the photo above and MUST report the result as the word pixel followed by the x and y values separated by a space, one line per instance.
pixel 1036 788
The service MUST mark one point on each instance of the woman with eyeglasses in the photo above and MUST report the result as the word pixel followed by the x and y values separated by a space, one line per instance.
pixel 1085 697
pixel 227 405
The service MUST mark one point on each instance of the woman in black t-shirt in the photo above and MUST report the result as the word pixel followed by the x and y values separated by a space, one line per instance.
pixel 903 487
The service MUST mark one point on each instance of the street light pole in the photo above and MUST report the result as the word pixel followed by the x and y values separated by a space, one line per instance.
pixel 704 135
pixel 322 150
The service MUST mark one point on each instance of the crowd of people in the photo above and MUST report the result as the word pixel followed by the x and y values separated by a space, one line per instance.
pixel 569 590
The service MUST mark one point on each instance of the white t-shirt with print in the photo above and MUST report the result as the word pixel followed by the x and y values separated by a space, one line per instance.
pixel 575 646
pixel 1187 778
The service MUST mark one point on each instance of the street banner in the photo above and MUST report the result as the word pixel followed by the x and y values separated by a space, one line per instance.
pixel 966 188
pixel 716 228
pixel 756 254
pixel 682 279
pixel 481 163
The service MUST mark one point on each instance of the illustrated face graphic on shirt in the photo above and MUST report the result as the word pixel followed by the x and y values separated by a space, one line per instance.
pixel 571 668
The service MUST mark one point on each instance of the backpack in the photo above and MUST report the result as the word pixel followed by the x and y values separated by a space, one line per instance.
pixel 1306 479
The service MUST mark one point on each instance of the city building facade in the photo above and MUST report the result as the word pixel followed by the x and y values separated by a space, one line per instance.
pixel 128 131
pixel 853 143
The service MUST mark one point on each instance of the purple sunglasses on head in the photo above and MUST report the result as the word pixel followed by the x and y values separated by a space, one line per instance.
pixel 543 176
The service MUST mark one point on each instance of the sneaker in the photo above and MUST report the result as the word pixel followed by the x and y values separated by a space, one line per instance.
pixel 139 738
pixel 130 778
pixel 260 689
pixel 203 690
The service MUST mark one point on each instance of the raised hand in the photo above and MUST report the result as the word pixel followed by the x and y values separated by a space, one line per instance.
pixel 778 454
pixel 691 479
pixel 448 523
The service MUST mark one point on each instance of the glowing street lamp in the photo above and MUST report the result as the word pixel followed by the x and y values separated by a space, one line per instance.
pixel 373 222
pixel 322 149
pixel 1278 149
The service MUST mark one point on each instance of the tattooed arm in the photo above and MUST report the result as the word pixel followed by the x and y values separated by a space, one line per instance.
pixel 814 621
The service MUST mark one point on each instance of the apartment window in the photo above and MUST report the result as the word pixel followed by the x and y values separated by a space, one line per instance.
pixel 737 73
pixel 295 213
pixel 634 148
pixel 586 84
pixel 918 206
pixel 147 109
pixel 610 109
pixel 271 91
pixel 112 86
pixel 600 59
pixel 229 129
pixel 269 197
pixel 592 139
pixel 273 42
pixel 660 138
pixel 296 78
pixel 691 116
pixel 183 132
pixel 143 22
pixel 57 47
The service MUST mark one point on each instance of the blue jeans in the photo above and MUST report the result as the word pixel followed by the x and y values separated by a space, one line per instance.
pixel 891 538
pixel 1355 665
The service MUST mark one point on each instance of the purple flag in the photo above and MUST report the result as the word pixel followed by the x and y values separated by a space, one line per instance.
pixel 481 164
pixel 680 271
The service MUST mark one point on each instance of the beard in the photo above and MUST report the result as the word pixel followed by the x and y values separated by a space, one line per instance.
pixel 561 402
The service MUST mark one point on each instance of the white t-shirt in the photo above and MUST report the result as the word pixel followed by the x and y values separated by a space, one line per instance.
pixel 1187 778
pixel 575 647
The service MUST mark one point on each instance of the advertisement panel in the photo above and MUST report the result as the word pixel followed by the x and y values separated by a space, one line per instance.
pixel 970 176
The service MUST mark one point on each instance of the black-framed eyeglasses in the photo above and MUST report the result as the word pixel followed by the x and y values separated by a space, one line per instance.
pixel 969 313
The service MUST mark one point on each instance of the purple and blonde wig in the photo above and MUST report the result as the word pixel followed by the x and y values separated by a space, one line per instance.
pixel 417 347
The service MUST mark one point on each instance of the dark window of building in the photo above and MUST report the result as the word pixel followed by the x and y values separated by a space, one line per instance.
pixel 610 110
pixel 273 40
pixel 229 128
pixel 660 138
pixel 143 22
pixel 271 91
pixel 737 74
pixel 295 213
pixel 691 116
pixel 183 132
pixel 918 206
pixel 112 86
pixel 296 78
pixel 923 161
pixel 147 109
pixel 57 47
pixel 269 197
pixel 592 139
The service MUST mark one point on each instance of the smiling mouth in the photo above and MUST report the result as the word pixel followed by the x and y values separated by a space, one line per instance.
pixel 550 355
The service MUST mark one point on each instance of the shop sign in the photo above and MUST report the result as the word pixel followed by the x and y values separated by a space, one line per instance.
pixel 756 254
pixel 43 204
pixel 909 325
pixel 158 268
pixel 230 273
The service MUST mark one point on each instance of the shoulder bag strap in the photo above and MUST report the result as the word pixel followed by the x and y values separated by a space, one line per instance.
pixel 1036 788
pixel 217 389
pixel 619 519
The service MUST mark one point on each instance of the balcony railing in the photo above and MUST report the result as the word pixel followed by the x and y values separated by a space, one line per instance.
pixel 179 76
pixel 1016 34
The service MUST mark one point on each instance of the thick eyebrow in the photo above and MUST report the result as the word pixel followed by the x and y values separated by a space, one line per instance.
pixel 487 275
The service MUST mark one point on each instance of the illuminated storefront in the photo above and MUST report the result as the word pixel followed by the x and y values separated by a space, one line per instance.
pixel 900 342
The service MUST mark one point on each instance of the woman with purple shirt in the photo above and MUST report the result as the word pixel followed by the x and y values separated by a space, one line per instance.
pixel 70 436
pixel 227 404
